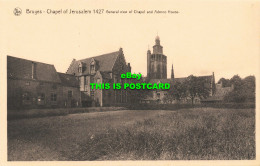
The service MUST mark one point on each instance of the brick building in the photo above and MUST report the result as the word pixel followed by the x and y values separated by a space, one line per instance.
pixel 33 84
pixel 106 68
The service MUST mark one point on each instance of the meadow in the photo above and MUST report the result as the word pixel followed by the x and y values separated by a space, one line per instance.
pixel 185 134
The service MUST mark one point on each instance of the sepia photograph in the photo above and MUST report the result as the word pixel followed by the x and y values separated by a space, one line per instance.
pixel 97 82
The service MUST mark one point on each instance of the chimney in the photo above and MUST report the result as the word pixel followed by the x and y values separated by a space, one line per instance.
pixel 129 67
pixel 33 70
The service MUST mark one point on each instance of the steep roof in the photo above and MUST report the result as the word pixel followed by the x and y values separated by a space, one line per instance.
pixel 105 75
pixel 206 78
pixel 68 80
pixel 104 62
pixel 19 68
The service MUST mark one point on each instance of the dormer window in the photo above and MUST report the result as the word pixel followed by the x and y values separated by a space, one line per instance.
pixel 80 68
pixel 92 66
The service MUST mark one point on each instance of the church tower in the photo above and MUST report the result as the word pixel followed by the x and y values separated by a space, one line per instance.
pixel 156 62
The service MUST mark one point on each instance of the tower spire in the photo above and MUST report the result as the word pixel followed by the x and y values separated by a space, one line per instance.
pixel 172 73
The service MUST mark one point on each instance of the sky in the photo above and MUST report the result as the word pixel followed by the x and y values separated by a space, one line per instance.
pixel 204 37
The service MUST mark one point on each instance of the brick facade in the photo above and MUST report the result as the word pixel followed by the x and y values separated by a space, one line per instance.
pixel 37 85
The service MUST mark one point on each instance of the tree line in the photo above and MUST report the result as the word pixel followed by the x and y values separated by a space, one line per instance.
pixel 244 89
pixel 193 88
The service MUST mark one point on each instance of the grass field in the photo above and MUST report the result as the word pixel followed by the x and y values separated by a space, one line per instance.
pixel 186 134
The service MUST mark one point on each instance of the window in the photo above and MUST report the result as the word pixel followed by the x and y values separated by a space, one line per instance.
pixel 92 93
pixel 85 80
pixel 41 99
pixel 53 97
pixel 80 69
pixel 54 86
pixel 92 68
pixel 69 94
pixel 158 95
pixel 27 83
pixel 92 79
pixel 26 98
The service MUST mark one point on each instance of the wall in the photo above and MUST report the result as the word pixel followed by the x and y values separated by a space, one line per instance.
pixel 17 88
pixel 73 101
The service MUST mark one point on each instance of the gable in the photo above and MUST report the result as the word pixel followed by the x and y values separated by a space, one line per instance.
pixel 120 64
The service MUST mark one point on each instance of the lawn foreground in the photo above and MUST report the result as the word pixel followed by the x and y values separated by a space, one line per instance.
pixel 186 134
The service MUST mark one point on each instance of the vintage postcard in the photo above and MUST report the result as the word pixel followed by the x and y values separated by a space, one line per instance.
pixel 129 82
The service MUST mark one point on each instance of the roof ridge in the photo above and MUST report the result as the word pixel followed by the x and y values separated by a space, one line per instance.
pixel 29 60
pixel 98 56
pixel 65 73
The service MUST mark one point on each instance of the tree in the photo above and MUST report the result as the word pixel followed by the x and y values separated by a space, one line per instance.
pixel 176 92
pixel 235 96
pixel 137 94
pixel 225 82
pixel 237 82
pixel 244 90
pixel 249 83
pixel 249 88
pixel 195 87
